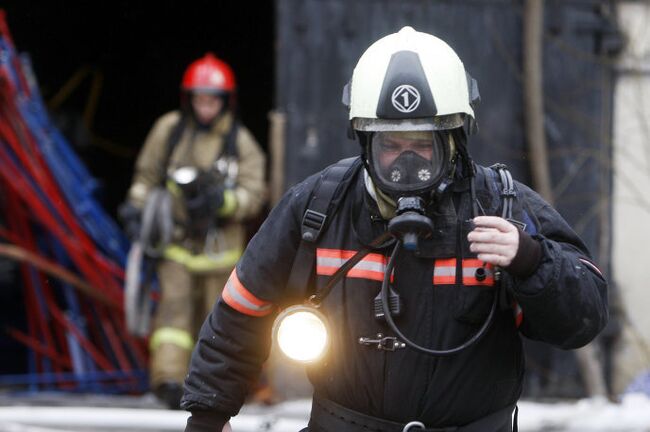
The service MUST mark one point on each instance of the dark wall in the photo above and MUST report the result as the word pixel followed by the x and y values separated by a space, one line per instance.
pixel 142 49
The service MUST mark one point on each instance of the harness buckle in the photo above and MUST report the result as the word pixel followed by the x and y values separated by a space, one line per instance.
pixel 386 343
pixel 517 223
pixel 312 224
pixel 413 425
pixel 509 192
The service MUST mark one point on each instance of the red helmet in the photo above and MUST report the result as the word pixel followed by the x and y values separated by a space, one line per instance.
pixel 209 74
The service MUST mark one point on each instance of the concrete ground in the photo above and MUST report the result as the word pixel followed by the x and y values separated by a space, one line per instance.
pixel 98 413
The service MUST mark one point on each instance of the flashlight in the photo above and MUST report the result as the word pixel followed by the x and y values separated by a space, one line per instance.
pixel 185 175
pixel 302 333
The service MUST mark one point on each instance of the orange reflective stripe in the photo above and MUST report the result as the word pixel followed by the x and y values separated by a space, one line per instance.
pixel 473 262
pixel 347 254
pixel 242 300
pixel 366 274
pixel 447 262
pixel 444 272
pixel 372 266
pixel 470 266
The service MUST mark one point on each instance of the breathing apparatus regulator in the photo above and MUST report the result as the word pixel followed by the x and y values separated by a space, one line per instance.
pixel 410 105
pixel 203 193
pixel 192 180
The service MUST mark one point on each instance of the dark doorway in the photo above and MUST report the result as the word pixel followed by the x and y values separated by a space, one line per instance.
pixel 133 54
pixel 139 50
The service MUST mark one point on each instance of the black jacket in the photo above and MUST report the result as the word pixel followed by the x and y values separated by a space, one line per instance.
pixel 564 303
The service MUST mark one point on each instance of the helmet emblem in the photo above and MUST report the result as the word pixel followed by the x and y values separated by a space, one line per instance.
pixel 405 98
pixel 216 78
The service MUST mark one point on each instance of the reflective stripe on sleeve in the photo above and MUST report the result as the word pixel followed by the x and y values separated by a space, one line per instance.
pixel 229 204
pixel 242 300
pixel 171 335
pixel 592 267
pixel 203 263
pixel 372 266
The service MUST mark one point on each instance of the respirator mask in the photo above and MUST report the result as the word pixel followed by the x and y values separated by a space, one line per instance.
pixel 408 163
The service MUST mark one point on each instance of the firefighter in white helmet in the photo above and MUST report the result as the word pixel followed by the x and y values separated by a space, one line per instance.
pixel 427 268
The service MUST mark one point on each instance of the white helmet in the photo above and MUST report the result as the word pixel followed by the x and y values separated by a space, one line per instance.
pixel 410 81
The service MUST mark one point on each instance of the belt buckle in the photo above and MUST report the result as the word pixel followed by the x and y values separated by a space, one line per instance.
pixel 413 424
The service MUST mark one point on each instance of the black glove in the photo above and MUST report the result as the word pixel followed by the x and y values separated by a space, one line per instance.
pixel 130 216
pixel 206 421
pixel 205 204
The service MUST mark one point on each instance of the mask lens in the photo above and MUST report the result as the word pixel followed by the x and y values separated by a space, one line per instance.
pixel 408 161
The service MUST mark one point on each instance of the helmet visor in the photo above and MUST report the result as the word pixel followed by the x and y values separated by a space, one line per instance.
pixel 408 162
pixel 445 122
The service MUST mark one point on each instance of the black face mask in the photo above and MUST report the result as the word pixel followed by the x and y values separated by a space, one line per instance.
pixel 410 169
pixel 406 167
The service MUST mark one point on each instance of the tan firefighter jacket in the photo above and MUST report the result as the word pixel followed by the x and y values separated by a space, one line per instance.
pixel 200 148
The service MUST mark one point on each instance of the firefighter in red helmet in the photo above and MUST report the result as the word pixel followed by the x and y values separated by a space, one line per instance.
pixel 198 177
pixel 208 82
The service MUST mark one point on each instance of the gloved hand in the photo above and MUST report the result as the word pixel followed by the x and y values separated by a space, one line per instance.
pixel 206 204
pixel 205 421
pixel 130 216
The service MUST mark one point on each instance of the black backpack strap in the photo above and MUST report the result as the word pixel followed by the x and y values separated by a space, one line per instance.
pixel 230 143
pixel 315 215
pixel 508 194
pixel 331 187
pixel 173 139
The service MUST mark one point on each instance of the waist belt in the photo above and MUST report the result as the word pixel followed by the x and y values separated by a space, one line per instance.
pixel 327 416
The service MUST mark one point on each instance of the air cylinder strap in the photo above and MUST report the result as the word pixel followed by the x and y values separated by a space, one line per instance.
pixel 315 217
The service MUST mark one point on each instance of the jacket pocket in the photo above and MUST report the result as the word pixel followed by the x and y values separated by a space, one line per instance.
pixel 473 303
pixel 473 282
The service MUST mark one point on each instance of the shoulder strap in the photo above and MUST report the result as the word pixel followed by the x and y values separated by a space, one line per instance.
pixel 174 137
pixel 508 194
pixel 315 215
pixel 230 143
pixel 331 187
